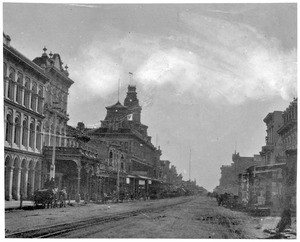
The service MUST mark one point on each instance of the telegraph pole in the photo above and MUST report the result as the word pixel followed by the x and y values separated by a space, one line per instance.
pixel 118 178
pixel 52 166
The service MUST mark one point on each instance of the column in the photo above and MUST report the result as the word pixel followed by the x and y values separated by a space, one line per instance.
pixel 8 183
pixel 13 128
pixel 38 179
pixel 14 91
pixel 36 103
pixel 21 129
pixel 78 185
pixel 16 191
pixel 25 181
pixel 6 87
pixel 28 131
pixel 23 91
pixel 5 82
pixel 29 99
pixel 34 136
pixel 87 186
pixel 31 182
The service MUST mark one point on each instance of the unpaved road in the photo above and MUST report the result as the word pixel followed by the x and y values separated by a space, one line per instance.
pixel 198 218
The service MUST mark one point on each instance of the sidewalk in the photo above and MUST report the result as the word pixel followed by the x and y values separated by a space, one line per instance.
pixel 9 205
pixel 16 204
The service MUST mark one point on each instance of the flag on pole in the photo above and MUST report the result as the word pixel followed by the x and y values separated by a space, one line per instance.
pixel 130 78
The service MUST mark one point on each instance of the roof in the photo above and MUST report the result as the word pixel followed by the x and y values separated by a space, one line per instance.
pixel 117 105
pixel 54 64
pixel 12 51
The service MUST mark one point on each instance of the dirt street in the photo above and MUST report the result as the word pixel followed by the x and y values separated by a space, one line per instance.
pixel 199 218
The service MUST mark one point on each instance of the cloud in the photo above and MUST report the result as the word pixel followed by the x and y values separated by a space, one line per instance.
pixel 97 74
pixel 228 61
pixel 204 57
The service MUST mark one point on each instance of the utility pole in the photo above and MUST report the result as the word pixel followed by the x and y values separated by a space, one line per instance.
pixel 52 166
pixel 118 178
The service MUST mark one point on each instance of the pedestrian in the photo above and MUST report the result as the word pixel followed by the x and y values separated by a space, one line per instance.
pixel 285 221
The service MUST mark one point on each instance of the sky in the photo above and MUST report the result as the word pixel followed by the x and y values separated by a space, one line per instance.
pixel 206 74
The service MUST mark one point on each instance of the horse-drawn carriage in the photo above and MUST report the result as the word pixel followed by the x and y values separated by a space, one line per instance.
pixel 228 200
pixel 50 198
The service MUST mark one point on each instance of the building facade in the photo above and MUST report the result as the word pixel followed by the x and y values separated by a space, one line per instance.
pixel 122 127
pixel 24 95
pixel 288 133
pixel 229 181
pixel 272 184
pixel 39 144
pixel 269 176
pixel 36 143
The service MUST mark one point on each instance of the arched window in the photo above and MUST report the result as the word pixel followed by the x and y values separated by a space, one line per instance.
pixel 32 135
pixel 19 88
pixel 26 94
pixel 33 96
pixel 25 133
pixel 9 127
pixel 40 91
pixel 10 93
pixel 40 99
pixel 38 137
pixel 17 131
pixel 4 77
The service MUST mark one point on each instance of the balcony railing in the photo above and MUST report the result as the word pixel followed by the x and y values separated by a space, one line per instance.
pixel 71 142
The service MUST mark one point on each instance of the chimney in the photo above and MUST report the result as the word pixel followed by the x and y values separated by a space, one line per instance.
pixel 6 40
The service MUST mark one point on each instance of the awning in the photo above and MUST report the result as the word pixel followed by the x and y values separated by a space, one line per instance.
pixel 144 177
pixel 130 176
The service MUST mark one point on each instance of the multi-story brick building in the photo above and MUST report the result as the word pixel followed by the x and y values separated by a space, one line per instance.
pixel 268 176
pixel 24 93
pixel 229 181
pixel 122 126
pixel 272 184
pixel 288 133
pixel 37 145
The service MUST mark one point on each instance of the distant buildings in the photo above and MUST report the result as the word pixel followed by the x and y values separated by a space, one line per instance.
pixel 288 133
pixel 229 181
pixel 269 180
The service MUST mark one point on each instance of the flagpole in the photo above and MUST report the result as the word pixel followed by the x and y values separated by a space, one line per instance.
pixel 190 165
pixel 119 90
pixel 130 78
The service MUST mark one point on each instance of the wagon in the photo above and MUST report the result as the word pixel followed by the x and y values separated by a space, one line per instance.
pixel 44 197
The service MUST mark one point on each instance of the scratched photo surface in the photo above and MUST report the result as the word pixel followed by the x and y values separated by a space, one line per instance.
pixel 157 120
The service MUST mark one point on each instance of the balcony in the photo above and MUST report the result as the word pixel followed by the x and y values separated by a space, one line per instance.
pixel 74 147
